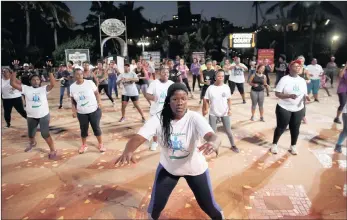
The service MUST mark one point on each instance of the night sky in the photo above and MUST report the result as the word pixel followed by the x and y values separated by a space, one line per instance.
pixel 238 13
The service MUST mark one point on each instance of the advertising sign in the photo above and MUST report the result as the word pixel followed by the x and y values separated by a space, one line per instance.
pixel 120 64
pixel 242 40
pixel 77 56
pixel 113 27
pixel 266 54
pixel 155 57
pixel 198 55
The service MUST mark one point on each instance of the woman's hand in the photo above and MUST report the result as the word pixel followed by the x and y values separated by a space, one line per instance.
pixel 126 157
pixel 208 148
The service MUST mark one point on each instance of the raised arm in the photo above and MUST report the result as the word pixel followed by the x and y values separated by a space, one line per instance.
pixel 342 72
pixel 14 82
pixel 51 76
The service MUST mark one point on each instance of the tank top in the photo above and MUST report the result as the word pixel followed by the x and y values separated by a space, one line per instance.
pixel 141 81
pixel 112 74
pixel 100 76
pixel 260 81
pixel 209 75
pixel 90 77
pixel 303 75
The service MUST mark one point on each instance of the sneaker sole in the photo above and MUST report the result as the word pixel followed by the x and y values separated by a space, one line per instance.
pixel 85 149
pixel 290 151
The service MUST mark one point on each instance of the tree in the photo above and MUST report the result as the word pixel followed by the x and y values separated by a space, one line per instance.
pixel 185 42
pixel 85 42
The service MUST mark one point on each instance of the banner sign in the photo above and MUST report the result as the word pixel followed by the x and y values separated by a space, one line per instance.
pixel 155 57
pixel 113 27
pixel 242 40
pixel 266 54
pixel 77 56
pixel 120 64
pixel 198 55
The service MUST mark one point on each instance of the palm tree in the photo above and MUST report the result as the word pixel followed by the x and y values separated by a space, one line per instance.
pixel 27 7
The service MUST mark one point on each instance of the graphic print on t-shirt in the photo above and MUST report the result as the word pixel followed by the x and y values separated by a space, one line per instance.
pixel 238 71
pixel 177 147
pixel 162 97
pixel 296 89
pixel 36 99
pixel 81 97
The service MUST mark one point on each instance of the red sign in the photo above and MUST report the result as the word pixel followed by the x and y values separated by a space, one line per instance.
pixel 266 54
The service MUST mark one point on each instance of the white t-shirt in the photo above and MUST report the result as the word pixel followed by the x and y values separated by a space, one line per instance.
pixel 132 67
pixel 151 67
pixel 159 90
pixel 36 101
pixel 345 109
pixel 129 88
pixel 183 156
pixel 7 91
pixel 84 96
pixel 292 85
pixel 315 70
pixel 237 74
pixel 218 96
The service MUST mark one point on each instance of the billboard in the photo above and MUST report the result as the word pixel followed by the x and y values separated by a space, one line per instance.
pixel 266 54
pixel 77 55
pixel 198 55
pixel 155 57
pixel 242 40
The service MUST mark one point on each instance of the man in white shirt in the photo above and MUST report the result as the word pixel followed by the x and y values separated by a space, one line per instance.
pixel 156 93
pixel 237 77
pixel 316 71
pixel 128 79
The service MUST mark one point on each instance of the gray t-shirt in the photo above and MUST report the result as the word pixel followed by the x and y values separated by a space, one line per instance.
pixel 129 87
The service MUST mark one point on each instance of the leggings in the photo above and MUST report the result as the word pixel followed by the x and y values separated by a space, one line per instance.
pixel 279 76
pixel 44 126
pixel 203 91
pixel 284 118
pixel 226 79
pixel 343 133
pixel 94 120
pixel 226 125
pixel 8 104
pixel 112 85
pixel 185 81
pixel 142 87
pixel 342 100
pixel 257 97
pixel 62 90
pixel 105 88
pixel 196 78
pixel 165 182
pixel 330 74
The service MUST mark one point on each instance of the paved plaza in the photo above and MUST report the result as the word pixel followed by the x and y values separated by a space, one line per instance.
pixel 253 184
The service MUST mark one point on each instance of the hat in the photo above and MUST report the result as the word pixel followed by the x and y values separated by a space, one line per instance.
pixel 62 64
pixel 25 64
pixel 295 61
pixel 77 67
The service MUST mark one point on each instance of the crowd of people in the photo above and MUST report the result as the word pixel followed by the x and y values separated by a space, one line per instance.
pixel 171 124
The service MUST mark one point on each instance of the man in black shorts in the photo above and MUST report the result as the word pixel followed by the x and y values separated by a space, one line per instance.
pixel 128 80
pixel 237 77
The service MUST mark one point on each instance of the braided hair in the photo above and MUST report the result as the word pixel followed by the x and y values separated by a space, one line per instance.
pixel 167 114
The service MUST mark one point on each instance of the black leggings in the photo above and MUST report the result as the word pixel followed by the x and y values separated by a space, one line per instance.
pixel 196 78
pixel 284 118
pixel 342 100
pixel 226 79
pixel 105 88
pixel 165 182
pixel 94 120
pixel 9 104
pixel 203 92
pixel 185 81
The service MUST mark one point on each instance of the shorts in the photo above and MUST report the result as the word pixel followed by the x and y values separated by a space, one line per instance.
pixel 238 85
pixel 44 126
pixel 126 98
pixel 313 86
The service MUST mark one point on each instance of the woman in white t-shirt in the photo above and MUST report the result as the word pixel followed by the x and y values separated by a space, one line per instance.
pixel 37 107
pixel 291 91
pixel 86 106
pixel 218 98
pixel 237 78
pixel 180 131
pixel 10 98
pixel 156 93
pixel 151 67
pixel 343 134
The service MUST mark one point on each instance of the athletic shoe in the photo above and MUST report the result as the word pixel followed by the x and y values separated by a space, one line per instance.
pixel 52 155
pixel 154 146
pixel 262 119
pixel 235 149
pixel 30 146
pixel 83 149
pixel 122 119
pixel 252 118
pixel 244 102
pixel 60 107
pixel 7 126
pixel 113 104
pixel 338 148
pixel 102 148
pixel 337 121
pixel 293 150
pixel 274 149
pixel 316 100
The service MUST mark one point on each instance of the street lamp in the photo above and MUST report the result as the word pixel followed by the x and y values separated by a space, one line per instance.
pixel 333 40
pixel 143 42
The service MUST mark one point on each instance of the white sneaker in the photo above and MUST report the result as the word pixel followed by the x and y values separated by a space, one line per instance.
pixel 293 150
pixel 154 146
pixel 274 149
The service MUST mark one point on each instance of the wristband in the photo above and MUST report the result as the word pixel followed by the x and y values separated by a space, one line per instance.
pixel 16 67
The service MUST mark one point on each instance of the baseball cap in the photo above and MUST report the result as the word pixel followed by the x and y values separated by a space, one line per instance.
pixel 25 64
pixel 77 67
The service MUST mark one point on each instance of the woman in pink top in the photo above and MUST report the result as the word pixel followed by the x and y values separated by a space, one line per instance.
pixel 183 69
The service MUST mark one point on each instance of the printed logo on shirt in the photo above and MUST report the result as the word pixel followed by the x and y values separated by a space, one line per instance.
pixel 296 88
pixel 162 97
pixel 11 91
pixel 178 151
pixel 36 100
pixel 81 98
pixel 238 71
pixel 223 94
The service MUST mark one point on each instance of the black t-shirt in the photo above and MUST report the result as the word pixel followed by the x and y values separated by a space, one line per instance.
pixel 209 75
pixel 65 82
pixel 141 81
pixel 174 75
pixel 282 68
pixel 267 70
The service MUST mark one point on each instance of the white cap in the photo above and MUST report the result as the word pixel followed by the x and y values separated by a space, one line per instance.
pixel 77 67
pixel 25 64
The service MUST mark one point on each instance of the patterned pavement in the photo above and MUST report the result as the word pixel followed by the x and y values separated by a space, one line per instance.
pixel 253 184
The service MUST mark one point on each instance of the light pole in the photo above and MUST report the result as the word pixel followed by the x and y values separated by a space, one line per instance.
pixel 143 42
pixel 333 40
